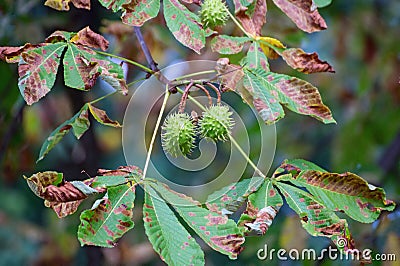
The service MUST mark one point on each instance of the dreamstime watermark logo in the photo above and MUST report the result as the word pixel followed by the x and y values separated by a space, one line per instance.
pixel 215 165
pixel 330 253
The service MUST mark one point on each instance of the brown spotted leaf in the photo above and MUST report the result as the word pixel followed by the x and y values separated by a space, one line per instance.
pixel 184 25
pixel 37 70
pixel 304 62
pixel 262 207
pixel 136 13
pixel 83 66
pixel 225 44
pixel 91 39
pixel 109 219
pixel 295 94
pixel 345 192
pixel 315 218
pixel 114 5
pixel 303 13
pixel 79 123
pixel 63 5
pixel 253 16
pixel 167 235
pixel 228 199
pixel 256 58
pixel 218 231
pixel 261 95
pixel 294 167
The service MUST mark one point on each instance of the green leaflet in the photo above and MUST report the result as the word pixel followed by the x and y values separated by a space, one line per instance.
pixel 225 44
pixel 37 71
pixel 109 181
pixel 114 5
pixel 256 58
pixel 317 219
pixel 346 192
pixel 230 198
pixel 295 166
pixel 219 232
pixel 322 3
pixel 184 25
pixel 79 123
pixel 109 218
pixel 262 207
pixel 262 98
pixel 167 235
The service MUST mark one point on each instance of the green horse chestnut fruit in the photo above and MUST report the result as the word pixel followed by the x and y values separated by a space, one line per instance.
pixel 213 13
pixel 178 134
pixel 216 123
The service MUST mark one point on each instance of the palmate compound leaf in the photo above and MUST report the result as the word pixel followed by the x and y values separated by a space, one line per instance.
pixel 296 94
pixel 345 192
pixel 38 64
pixel 219 232
pixel 62 196
pixel 184 25
pixel 303 13
pixel 228 199
pixel 316 218
pixel 262 207
pixel 168 237
pixel 79 123
pixel 109 219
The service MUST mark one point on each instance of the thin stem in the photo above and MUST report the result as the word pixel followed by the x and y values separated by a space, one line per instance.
pixel 145 49
pixel 102 97
pixel 258 171
pixel 216 91
pixel 196 74
pixel 238 24
pixel 206 92
pixel 153 138
pixel 148 70
pixel 134 82
pixel 182 103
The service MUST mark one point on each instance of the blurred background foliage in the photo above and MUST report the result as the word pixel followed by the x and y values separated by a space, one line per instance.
pixel 362 43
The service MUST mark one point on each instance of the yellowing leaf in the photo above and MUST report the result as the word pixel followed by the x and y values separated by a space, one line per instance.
pixel 268 51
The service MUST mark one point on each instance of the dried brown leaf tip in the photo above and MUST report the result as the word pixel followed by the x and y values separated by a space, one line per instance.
pixel 89 38
pixel 305 62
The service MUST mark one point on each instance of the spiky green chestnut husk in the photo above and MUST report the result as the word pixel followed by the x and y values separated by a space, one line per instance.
pixel 213 13
pixel 216 123
pixel 178 134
